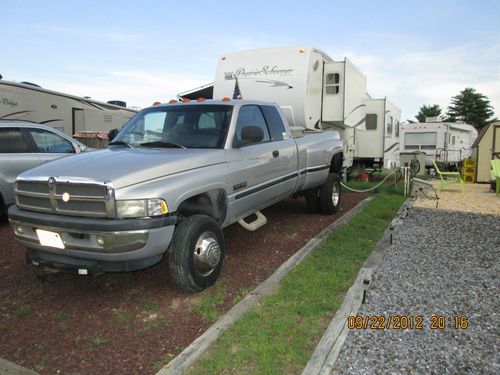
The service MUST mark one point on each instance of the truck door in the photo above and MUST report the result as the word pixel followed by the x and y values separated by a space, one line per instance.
pixel 255 169
pixel 286 148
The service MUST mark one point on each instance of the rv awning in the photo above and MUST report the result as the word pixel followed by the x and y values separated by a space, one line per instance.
pixel 205 91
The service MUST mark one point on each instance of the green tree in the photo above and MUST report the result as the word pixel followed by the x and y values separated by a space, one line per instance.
pixel 428 111
pixel 472 107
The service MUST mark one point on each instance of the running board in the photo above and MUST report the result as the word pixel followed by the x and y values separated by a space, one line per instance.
pixel 254 225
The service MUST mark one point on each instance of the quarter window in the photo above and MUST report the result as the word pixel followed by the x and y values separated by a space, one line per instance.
pixel 332 84
pixel 274 122
pixel 48 142
pixel 12 141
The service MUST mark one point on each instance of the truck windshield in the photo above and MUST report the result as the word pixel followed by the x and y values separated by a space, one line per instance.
pixel 184 126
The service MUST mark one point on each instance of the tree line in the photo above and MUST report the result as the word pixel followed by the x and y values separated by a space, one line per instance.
pixel 468 106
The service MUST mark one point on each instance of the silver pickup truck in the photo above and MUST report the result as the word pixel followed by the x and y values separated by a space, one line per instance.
pixel 174 176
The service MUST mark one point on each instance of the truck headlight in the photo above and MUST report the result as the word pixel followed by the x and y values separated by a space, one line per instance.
pixel 141 208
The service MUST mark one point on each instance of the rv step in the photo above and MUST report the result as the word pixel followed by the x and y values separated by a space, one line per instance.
pixel 254 225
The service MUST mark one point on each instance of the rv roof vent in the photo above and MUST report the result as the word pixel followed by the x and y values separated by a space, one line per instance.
pixel 433 119
pixel 120 103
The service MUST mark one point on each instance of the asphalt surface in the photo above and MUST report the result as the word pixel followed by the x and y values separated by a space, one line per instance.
pixel 441 272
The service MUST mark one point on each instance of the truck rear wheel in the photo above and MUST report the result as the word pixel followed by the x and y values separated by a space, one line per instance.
pixel 329 195
pixel 196 253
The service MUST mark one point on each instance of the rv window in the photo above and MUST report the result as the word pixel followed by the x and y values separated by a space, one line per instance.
pixel 251 115
pixel 453 140
pixel 48 142
pixel 371 121
pixel 397 128
pixel 12 141
pixel 332 84
pixel 389 125
pixel 274 123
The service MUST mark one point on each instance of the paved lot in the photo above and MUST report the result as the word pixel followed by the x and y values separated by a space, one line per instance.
pixel 444 263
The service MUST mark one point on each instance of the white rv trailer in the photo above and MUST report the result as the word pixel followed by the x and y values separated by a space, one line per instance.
pixel 447 142
pixel 378 145
pixel 67 113
pixel 314 91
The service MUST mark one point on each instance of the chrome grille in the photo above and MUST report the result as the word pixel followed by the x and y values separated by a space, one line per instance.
pixel 65 196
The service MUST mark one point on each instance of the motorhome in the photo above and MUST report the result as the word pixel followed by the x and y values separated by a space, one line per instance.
pixel 378 145
pixel 67 113
pixel 447 142
pixel 314 91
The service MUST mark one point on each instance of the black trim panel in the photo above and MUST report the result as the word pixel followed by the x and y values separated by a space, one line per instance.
pixel 265 186
pixel 317 169
pixel 76 223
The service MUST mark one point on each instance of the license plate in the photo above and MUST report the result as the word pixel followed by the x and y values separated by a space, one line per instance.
pixel 48 238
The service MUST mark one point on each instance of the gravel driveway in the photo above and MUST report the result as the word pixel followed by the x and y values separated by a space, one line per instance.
pixel 442 263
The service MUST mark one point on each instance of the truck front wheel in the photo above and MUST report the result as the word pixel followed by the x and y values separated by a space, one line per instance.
pixel 196 253
pixel 329 195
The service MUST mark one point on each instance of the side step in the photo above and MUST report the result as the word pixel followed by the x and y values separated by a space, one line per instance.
pixel 254 225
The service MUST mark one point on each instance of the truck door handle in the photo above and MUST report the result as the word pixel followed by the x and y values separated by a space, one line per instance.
pixel 276 153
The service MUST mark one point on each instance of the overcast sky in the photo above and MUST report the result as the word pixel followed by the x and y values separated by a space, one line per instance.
pixel 413 52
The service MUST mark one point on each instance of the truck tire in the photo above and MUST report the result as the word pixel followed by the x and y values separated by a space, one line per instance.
pixel 329 194
pixel 312 200
pixel 196 253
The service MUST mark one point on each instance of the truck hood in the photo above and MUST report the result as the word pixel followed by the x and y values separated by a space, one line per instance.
pixel 125 166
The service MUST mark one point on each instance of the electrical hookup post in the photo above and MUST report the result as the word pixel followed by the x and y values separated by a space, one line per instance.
pixel 407 180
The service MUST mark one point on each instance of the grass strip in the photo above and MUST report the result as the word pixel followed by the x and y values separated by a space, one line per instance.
pixel 279 334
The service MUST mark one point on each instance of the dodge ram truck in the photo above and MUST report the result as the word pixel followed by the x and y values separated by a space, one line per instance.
pixel 173 177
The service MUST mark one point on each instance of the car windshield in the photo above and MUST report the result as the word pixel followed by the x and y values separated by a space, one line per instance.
pixel 184 126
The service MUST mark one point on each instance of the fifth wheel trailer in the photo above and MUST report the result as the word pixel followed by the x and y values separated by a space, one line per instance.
pixel 446 142
pixel 66 113
pixel 314 91
pixel 378 145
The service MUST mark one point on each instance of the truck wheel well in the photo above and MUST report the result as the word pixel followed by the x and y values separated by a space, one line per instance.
pixel 336 163
pixel 212 203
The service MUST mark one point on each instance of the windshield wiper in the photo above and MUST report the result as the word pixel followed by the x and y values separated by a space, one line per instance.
pixel 162 144
pixel 120 143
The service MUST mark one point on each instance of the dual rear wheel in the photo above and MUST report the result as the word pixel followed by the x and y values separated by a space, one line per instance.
pixel 325 198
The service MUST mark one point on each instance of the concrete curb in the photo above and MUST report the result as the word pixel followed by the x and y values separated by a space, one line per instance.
pixel 328 349
pixel 7 367
pixel 190 355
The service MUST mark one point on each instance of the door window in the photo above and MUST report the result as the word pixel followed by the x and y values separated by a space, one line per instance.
pixel 251 115
pixel 12 141
pixel 48 142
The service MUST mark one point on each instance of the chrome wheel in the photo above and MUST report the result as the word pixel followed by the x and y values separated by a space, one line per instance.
pixel 335 194
pixel 207 254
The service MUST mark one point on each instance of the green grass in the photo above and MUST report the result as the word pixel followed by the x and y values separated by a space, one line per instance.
pixel 23 311
pixel 278 335
pixel 63 319
pixel 212 299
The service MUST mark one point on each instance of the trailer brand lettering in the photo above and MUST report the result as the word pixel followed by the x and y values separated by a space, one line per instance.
pixel 8 102
pixel 266 70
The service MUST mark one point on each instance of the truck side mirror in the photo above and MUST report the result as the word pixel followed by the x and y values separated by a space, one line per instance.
pixel 250 134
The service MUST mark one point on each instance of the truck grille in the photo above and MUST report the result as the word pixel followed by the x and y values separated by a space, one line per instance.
pixel 65 197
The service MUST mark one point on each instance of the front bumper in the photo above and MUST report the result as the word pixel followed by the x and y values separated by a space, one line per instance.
pixel 94 245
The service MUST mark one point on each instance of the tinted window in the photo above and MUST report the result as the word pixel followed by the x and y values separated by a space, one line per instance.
pixel 12 141
pixel 276 126
pixel 251 115
pixel 48 142
pixel 371 121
